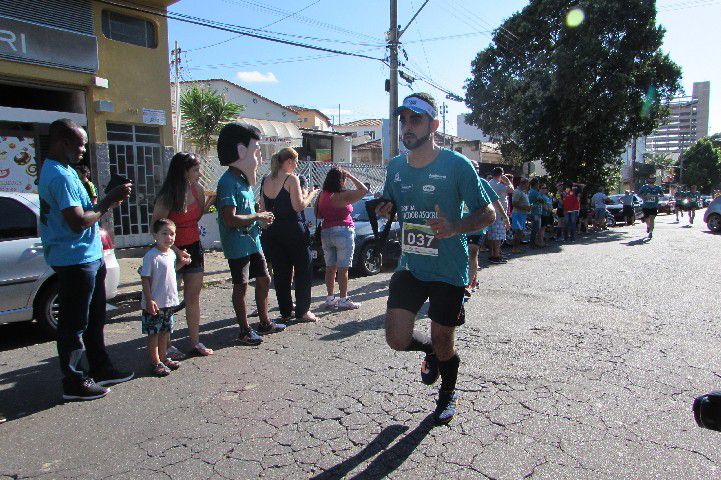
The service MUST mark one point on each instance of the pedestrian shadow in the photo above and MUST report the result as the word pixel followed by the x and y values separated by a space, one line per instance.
pixel 637 242
pixel 389 460
pixel 36 388
pixel 348 329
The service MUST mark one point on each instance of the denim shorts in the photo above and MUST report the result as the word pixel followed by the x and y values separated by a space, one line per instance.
pixel 338 244
pixel 518 221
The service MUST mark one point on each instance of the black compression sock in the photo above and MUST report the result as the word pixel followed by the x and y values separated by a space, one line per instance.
pixel 419 343
pixel 449 373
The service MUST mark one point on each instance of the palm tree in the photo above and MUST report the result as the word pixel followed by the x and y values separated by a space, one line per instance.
pixel 204 112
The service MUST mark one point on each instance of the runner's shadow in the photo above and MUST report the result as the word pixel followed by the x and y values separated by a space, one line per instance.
pixel 635 243
pixel 348 329
pixel 390 458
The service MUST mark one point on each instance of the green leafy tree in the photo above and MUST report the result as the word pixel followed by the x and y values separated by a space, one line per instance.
pixel 204 112
pixel 573 96
pixel 663 162
pixel 702 165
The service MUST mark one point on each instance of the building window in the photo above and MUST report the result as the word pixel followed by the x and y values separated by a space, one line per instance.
pixel 133 30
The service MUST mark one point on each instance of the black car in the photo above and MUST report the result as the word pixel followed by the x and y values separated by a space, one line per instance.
pixel 616 208
pixel 365 259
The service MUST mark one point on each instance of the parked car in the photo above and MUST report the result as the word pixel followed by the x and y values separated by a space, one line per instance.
pixel 616 208
pixel 712 215
pixel 28 286
pixel 365 260
pixel 706 200
pixel 666 204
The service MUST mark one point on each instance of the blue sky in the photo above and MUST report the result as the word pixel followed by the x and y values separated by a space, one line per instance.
pixel 440 44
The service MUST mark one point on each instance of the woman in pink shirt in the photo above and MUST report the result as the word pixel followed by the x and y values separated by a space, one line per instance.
pixel 338 233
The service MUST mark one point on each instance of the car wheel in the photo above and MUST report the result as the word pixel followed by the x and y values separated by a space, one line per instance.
pixel 714 222
pixel 369 262
pixel 47 307
pixel 611 221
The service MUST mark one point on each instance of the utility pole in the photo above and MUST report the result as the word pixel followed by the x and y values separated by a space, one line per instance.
pixel 178 116
pixel 393 46
pixel 339 113
pixel 444 110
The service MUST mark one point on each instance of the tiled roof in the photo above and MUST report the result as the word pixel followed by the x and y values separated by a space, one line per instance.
pixel 372 145
pixel 366 122
pixel 239 87
pixel 297 109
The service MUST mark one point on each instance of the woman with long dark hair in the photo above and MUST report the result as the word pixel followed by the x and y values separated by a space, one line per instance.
pixel 286 239
pixel 182 200
pixel 338 233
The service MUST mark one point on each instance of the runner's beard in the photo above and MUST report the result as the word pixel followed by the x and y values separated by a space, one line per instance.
pixel 419 141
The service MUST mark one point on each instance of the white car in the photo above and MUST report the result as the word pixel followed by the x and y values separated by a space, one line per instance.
pixel 28 286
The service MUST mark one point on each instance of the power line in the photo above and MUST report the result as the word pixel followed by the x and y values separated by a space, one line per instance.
pixel 231 28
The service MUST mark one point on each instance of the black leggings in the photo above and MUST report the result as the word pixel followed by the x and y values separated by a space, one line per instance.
pixel 287 248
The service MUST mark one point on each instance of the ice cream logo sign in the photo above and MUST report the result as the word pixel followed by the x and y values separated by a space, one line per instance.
pixel 18 170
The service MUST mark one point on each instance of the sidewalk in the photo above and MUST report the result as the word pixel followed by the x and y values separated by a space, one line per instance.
pixel 130 260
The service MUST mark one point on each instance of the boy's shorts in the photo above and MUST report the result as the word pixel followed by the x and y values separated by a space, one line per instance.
pixel 244 268
pixel 164 321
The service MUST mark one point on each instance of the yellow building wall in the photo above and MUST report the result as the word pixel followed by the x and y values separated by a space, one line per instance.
pixel 138 78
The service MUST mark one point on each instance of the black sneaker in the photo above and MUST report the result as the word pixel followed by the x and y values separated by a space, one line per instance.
pixel 86 389
pixel 429 369
pixel 249 337
pixel 271 327
pixel 445 407
pixel 110 376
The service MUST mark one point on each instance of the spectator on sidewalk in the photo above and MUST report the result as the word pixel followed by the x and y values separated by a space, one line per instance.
pixel 571 207
pixel 287 239
pixel 160 295
pixel 519 214
pixel 181 199
pixel 599 201
pixel 71 245
pixel 546 214
pixel 534 198
pixel 503 187
pixel 84 174
pixel 338 233
pixel 629 214
pixel 239 226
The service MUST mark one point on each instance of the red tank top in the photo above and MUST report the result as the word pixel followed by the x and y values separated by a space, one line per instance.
pixel 186 223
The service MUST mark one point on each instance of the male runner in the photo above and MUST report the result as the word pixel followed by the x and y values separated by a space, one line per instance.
pixel 679 196
pixel 429 187
pixel 694 197
pixel 650 193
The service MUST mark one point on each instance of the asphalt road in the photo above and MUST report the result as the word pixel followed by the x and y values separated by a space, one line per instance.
pixel 580 361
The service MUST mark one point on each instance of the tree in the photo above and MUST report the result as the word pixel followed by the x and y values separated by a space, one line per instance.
pixel 204 112
pixel 662 162
pixel 574 96
pixel 702 165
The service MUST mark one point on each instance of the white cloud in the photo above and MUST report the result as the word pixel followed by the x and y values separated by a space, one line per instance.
pixel 257 77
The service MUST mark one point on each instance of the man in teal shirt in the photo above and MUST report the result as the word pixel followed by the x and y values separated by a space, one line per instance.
pixel 695 202
pixel 429 188
pixel 650 194
pixel 238 224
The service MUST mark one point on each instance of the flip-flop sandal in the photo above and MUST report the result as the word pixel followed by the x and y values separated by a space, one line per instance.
pixel 171 364
pixel 160 370
pixel 200 350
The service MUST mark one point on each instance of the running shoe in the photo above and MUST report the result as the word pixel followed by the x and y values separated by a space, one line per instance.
pixel 330 302
pixel 429 369
pixel 249 337
pixel 270 327
pixel 85 389
pixel 110 375
pixel 347 304
pixel 445 407
pixel 650 235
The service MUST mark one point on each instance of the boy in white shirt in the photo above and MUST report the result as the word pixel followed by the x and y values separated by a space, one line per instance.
pixel 160 295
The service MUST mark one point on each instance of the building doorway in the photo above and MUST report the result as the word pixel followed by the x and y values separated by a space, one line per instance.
pixel 135 152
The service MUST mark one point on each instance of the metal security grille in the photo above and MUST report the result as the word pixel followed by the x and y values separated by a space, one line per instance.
pixel 73 15
pixel 135 153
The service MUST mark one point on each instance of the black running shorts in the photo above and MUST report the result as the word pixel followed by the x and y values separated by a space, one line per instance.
pixel 245 268
pixel 647 212
pixel 445 300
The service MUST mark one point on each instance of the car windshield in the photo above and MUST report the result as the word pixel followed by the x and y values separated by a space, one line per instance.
pixel 616 198
pixel 359 211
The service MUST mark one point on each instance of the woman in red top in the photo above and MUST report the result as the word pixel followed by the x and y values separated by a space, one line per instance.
pixel 182 200
pixel 571 207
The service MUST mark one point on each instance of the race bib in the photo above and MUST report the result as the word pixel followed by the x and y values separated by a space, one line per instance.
pixel 419 240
